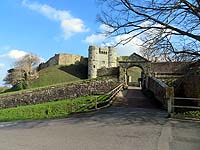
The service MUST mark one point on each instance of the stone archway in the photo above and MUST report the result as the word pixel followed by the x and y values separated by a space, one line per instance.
pixel 134 75
pixel 133 60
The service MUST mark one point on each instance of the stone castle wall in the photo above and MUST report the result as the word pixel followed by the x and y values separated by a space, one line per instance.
pixel 113 71
pixel 63 59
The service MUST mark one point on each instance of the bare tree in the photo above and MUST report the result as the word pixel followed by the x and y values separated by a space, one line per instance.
pixel 178 21
pixel 23 70
pixel 28 63
pixel 155 46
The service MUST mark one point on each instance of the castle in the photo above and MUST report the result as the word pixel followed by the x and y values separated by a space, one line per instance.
pixel 97 59
pixel 63 59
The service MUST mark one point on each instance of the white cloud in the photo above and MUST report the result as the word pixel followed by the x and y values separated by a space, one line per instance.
pixel 2 66
pixel 146 24
pixel 105 28
pixel 69 24
pixel 129 48
pixel 16 54
pixel 13 54
pixel 98 38
pixel 126 49
pixel 94 38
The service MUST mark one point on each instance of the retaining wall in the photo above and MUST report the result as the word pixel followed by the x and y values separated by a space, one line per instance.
pixel 54 93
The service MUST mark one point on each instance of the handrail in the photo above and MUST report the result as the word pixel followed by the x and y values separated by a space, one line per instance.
pixel 119 86
pixel 95 104
pixel 172 106
pixel 187 98
pixel 178 106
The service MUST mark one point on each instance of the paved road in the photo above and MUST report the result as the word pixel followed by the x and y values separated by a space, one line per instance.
pixel 114 128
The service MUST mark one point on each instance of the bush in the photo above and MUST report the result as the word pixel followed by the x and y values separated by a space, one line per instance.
pixel 19 86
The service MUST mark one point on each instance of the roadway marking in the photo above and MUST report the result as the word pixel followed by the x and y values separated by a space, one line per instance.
pixel 165 138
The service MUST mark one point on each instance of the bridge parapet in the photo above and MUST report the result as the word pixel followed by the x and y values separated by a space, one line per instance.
pixel 162 91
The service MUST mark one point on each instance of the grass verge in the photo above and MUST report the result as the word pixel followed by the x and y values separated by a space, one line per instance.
pixel 55 109
pixel 195 114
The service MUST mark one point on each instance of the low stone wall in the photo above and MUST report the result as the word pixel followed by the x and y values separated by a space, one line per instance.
pixel 108 71
pixel 54 93
pixel 162 92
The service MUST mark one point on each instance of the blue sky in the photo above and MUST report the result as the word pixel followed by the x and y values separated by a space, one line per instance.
pixel 46 27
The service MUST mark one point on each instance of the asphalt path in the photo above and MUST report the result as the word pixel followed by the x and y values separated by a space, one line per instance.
pixel 113 128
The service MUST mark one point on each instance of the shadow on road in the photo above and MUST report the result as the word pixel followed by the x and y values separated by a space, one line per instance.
pixel 110 116
pixel 123 116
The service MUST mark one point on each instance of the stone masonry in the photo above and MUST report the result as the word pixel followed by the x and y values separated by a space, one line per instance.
pixel 63 59
pixel 99 58
pixel 59 92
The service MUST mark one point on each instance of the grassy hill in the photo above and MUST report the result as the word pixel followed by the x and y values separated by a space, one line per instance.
pixel 59 74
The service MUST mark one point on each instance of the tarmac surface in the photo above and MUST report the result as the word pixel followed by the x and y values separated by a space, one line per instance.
pixel 133 126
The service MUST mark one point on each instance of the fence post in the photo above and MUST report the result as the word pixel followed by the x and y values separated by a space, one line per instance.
pixel 72 105
pixel 76 107
pixel 172 101
pixel 96 103
pixel 69 107
pixel 169 106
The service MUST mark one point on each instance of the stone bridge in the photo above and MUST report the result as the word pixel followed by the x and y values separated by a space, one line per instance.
pixel 154 75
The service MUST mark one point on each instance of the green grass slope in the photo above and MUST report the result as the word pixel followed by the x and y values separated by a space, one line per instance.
pixel 59 74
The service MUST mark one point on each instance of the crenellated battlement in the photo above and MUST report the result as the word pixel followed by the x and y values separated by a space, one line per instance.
pixel 100 57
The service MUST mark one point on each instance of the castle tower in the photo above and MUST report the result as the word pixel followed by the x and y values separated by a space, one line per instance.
pixel 112 57
pixel 93 53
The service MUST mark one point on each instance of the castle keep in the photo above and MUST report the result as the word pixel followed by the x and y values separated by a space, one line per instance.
pixel 99 58
pixel 63 59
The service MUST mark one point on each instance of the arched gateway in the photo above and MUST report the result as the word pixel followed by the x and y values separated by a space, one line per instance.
pixel 133 60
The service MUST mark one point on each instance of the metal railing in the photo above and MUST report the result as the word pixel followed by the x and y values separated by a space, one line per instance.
pixel 173 105
pixel 76 107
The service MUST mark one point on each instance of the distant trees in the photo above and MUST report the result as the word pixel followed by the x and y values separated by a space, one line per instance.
pixel 170 28
pixel 15 76
pixel 28 63
pixel 24 70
